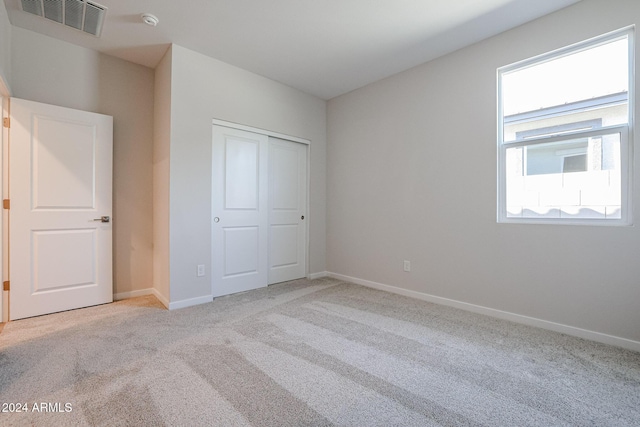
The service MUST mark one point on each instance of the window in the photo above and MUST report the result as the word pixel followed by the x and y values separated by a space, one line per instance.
pixel 564 120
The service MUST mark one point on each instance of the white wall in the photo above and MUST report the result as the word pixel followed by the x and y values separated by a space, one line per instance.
pixel 203 89
pixel 54 72
pixel 5 50
pixel 412 175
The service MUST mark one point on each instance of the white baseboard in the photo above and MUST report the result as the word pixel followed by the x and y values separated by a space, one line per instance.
pixel 513 317
pixel 141 293
pixel 320 275
pixel 190 302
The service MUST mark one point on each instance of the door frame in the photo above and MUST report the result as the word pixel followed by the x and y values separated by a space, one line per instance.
pixel 307 142
pixel 5 95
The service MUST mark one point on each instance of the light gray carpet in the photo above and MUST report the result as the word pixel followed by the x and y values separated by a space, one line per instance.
pixel 309 353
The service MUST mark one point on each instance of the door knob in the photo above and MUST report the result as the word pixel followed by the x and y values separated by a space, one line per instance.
pixel 302 217
pixel 216 219
pixel 103 219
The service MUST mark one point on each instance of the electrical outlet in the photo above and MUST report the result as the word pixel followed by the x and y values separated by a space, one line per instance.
pixel 407 265
pixel 200 271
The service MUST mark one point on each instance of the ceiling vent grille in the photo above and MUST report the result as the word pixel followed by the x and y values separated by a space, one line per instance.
pixel 79 14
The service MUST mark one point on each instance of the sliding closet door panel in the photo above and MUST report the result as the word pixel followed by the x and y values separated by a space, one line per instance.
pixel 239 211
pixel 287 210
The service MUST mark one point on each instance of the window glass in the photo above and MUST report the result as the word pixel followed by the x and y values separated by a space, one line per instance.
pixel 564 140
pixel 579 87
pixel 575 178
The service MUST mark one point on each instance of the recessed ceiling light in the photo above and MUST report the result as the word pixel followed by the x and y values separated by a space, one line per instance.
pixel 150 19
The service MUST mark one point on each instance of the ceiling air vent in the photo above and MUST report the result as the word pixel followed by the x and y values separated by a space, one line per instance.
pixel 79 14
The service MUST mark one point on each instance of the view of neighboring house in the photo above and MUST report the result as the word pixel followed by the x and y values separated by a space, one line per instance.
pixel 561 161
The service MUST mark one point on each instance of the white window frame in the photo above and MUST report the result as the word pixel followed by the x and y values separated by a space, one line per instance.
pixel 625 131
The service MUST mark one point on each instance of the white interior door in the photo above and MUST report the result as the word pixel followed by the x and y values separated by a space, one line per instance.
pixel 60 186
pixel 287 210
pixel 239 211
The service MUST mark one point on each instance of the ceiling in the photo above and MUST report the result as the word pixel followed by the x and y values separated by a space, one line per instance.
pixel 322 47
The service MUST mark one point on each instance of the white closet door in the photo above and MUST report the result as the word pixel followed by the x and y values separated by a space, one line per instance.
pixel 287 210
pixel 60 218
pixel 239 211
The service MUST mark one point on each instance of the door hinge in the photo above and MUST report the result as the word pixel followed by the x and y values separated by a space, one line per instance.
pixel 6 204
pixel 6 122
pixel 7 285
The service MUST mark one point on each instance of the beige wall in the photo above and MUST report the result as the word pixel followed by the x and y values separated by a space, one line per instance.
pixel 54 72
pixel 203 89
pixel 161 154
pixel 412 176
